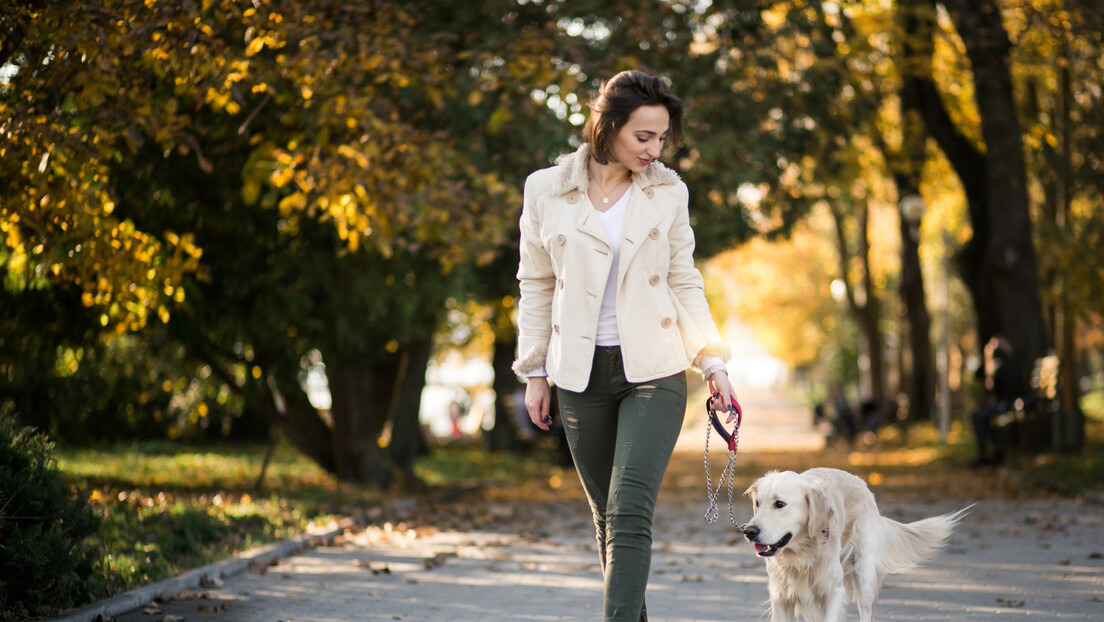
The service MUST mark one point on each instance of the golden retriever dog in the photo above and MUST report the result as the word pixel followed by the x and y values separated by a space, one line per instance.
pixel 824 541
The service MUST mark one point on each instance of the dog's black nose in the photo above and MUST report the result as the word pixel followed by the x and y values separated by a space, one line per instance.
pixel 751 532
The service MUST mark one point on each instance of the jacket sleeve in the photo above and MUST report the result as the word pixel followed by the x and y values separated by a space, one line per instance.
pixel 701 336
pixel 537 282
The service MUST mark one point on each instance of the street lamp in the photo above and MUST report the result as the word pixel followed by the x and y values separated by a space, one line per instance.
pixel 912 211
pixel 945 345
pixel 921 380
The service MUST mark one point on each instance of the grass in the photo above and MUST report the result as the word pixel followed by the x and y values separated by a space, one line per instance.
pixel 167 508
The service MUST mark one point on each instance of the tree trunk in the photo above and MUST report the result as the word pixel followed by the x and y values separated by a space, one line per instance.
pixel 504 436
pixel 1007 260
pixel 283 404
pixel 1058 190
pixel 971 168
pixel 917 27
pixel 361 391
pixel 302 425
pixel 921 380
pixel 866 312
pixel 406 433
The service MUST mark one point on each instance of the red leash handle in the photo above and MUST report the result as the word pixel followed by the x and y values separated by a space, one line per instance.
pixel 729 437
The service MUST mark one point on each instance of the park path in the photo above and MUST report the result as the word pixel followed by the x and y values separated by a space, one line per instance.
pixel 774 421
pixel 1016 559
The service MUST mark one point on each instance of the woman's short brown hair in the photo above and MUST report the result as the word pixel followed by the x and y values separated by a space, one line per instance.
pixel 617 99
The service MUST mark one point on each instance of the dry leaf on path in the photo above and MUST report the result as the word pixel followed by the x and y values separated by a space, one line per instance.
pixel 1011 602
pixel 437 560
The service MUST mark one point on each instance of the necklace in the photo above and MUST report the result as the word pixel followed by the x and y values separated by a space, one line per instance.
pixel 602 189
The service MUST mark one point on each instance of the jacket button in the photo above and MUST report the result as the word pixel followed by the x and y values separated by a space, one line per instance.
pixel 654 280
pixel 556 328
pixel 561 239
pixel 654 234
pixel 666 323
pixel 572 198
pixel 561 283
pixel 648 192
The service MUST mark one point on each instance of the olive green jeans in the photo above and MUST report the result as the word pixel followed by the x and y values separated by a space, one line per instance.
pixel 621 436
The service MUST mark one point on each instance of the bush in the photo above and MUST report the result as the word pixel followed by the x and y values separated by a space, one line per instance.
pixel 44 556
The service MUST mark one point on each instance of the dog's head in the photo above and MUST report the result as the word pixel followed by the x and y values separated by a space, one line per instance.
pixel 788 508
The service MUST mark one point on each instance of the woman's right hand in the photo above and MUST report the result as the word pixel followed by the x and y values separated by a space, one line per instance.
pixel 538 401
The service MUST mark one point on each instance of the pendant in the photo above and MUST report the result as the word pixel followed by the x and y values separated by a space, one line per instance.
pixel 605 199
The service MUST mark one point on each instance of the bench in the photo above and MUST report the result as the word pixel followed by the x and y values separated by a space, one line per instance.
pixel 1030 426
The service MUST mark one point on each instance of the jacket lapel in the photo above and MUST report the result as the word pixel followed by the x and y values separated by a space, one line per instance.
pixel 643 214
pixel 642 217
pixel 588 222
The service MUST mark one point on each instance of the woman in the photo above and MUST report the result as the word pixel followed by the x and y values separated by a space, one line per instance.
pixel 613 312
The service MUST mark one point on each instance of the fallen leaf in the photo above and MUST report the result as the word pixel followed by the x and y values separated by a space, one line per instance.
pixel 437 560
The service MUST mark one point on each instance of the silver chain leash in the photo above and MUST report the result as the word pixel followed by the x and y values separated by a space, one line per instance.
pixel 713 512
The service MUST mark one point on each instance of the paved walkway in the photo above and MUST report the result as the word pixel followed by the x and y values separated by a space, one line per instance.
pixel 1011 560
pixel 1035 560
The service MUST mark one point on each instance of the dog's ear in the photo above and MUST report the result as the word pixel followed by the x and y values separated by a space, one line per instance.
pixel 753 490
pixel 820 511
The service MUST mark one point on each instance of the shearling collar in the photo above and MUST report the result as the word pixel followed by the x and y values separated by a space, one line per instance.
pixel 573 173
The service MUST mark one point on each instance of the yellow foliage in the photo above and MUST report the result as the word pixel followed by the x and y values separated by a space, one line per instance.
pixel 779 289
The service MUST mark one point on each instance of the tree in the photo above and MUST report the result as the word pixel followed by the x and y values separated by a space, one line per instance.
pixel 162 137
pixel 1057 68
pixel 998 263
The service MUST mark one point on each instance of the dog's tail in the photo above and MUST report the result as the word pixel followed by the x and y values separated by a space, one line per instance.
pixel 907 545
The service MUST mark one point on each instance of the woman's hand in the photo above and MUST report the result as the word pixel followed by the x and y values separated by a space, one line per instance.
pixel 719 384
pixel 538 401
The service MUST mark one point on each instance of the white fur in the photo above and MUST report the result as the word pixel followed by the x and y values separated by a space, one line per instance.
pixel 836 544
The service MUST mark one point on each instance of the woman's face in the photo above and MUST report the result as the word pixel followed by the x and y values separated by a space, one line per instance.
pixel 641 139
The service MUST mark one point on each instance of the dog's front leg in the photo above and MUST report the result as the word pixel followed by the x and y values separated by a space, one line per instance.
pixel 783 604
pixel 783 610
pixel 835 605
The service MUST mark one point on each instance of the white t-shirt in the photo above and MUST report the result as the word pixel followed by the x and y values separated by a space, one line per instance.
pixel 613 219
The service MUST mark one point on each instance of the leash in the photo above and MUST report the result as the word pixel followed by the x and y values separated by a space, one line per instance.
pixel 732 439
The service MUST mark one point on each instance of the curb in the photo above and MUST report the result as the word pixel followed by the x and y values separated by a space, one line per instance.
pixel 253 558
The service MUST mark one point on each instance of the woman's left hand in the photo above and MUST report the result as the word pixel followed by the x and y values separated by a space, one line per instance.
pixel 719 384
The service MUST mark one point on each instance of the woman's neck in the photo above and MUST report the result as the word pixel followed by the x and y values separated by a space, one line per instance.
pixel 608 175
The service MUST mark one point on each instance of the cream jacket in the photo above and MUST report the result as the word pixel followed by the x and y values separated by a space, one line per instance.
pixel 662 314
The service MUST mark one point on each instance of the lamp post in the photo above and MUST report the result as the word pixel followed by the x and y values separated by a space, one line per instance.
pixel 944 362
pixel 912 212
pixel 921 380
